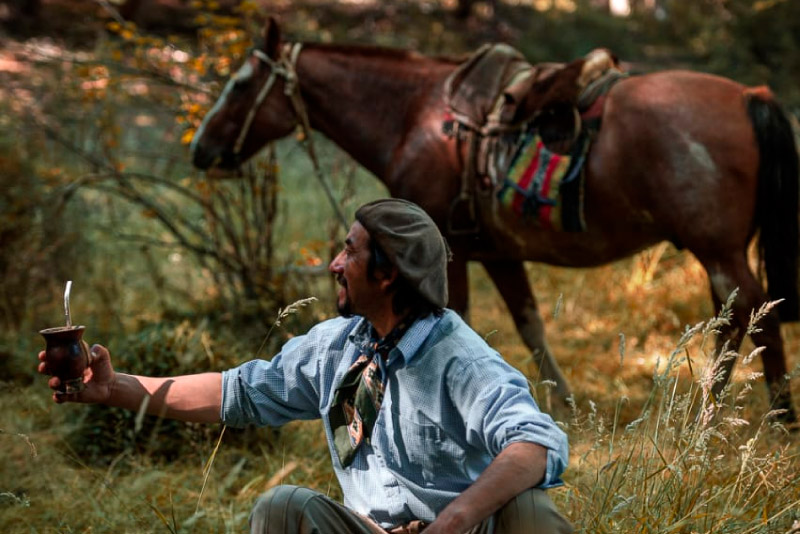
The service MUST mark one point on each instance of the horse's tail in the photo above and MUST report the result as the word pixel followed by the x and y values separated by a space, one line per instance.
pixel 777 201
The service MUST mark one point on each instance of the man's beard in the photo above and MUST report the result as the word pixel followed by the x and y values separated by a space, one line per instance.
pixel 344 309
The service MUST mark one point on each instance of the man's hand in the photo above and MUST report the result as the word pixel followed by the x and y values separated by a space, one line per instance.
pixel 99 378
pixel 518 467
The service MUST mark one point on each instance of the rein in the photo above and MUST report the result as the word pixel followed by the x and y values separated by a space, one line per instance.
pixel 284 67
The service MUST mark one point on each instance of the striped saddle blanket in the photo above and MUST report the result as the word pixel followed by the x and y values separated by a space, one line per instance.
pixel 546 186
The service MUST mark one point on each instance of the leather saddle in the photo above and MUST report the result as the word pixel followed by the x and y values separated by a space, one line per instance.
pixel 496 96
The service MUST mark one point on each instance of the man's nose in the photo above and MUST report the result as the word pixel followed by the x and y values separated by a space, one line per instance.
pixel 336 265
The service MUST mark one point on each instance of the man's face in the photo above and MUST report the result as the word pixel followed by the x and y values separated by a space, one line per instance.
pixel 358 293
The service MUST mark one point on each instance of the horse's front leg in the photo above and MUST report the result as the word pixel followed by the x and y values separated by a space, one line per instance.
pixel 458 284
pixel 512 282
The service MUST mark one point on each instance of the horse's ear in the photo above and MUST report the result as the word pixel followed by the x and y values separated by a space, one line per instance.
pixel 272 37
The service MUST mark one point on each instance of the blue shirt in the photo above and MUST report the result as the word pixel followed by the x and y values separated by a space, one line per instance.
pixel 451 405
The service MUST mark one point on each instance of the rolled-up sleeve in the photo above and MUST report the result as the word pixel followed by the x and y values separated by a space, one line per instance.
pixel 495 402
pixel 272 393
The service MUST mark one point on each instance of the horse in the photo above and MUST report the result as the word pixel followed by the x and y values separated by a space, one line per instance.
pixel 686 157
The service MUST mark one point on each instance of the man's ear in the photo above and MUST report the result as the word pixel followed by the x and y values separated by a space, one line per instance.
pixel 387 279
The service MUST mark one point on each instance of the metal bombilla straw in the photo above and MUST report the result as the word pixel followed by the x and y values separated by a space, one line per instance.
pixel 66 354
pixel 66 303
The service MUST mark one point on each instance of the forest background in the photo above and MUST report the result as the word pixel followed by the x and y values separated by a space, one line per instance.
pixel 177 272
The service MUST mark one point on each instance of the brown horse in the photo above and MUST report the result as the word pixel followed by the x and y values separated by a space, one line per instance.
pixel 690 158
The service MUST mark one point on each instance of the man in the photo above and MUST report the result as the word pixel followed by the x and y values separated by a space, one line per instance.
pixel 427 426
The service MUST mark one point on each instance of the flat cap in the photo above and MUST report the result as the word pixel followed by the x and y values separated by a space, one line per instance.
pixel 413 243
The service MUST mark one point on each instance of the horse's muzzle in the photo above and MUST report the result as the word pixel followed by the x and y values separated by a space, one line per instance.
pixel 202 159
pixel 205 159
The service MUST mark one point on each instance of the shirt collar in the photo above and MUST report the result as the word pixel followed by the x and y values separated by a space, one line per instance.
pixel 409 344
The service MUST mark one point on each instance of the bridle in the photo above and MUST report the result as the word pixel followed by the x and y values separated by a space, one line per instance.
pixel 284 67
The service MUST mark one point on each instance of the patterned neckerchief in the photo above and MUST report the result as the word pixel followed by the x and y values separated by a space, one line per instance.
pixel 357 400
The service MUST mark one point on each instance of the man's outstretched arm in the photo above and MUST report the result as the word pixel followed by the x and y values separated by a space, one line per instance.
pixel 194 398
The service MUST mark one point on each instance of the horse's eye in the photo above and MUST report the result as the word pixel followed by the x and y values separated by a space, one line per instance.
pixel 239 84
pixel 244 75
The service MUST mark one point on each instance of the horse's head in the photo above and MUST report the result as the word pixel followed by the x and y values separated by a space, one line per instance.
pixel 254 108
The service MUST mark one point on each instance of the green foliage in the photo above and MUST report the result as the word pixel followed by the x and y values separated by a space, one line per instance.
pixel 769 33
pixel 564 36
pixel 40 234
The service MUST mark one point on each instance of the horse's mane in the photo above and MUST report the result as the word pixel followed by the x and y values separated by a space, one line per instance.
pixel 376 51
pixel 383 52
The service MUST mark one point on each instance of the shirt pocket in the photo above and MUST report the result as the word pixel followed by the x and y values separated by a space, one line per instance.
pixel 427 454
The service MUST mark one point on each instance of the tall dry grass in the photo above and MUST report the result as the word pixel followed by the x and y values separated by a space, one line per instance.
pixel 690 462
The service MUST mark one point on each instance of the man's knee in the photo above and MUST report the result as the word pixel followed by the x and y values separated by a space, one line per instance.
pixel 280 507
pixel 296 510
pixel 286 496
pixel 531 511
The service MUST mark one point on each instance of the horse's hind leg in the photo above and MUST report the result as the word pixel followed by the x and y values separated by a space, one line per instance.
pixel 512 282
pixel 725 277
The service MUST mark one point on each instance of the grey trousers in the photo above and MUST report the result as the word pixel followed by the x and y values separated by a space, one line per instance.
pixel 296 510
